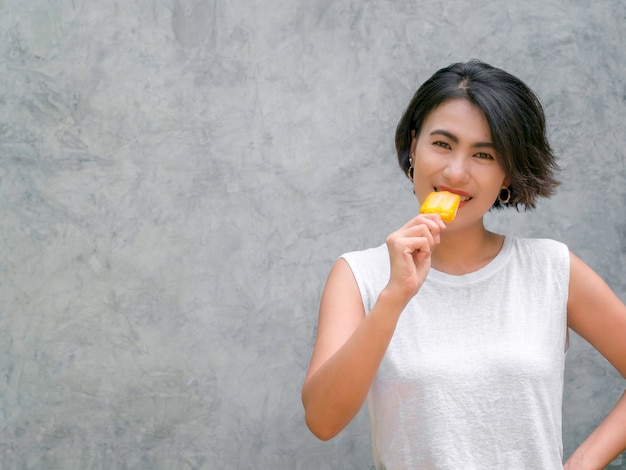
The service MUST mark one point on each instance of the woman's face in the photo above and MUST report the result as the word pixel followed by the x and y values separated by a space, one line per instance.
pixel 454 152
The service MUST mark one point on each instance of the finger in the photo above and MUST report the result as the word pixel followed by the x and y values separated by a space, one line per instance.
pixel 432 232
pixel 433 222
pixel 410 240
pixel 427 218
pixel 422 251
pixel 410 250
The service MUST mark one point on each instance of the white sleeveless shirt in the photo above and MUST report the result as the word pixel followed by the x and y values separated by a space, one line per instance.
pixel 473 376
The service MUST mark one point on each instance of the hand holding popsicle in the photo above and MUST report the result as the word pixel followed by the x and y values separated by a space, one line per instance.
pixel 410 249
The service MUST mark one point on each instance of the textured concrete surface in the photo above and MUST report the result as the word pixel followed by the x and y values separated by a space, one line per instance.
pixel 177 176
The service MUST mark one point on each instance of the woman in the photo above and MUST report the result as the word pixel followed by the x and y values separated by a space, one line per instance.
pixel 457 335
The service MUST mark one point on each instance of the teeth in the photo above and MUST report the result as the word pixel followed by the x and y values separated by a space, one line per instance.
pixel 462 198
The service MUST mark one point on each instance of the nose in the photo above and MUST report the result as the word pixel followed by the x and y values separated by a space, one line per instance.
pixel 456 170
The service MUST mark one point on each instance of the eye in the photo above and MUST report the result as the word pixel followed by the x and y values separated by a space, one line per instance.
pixel 484 156
pixel 441 144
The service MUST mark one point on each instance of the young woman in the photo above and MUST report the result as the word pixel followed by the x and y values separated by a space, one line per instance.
pixel 456 335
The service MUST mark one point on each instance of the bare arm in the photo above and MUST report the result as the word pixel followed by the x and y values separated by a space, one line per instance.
pixel 599 316
pixel 340 377
pixel 350 346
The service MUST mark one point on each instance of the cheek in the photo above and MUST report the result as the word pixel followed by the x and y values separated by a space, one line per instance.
pixel 492 174
pixel 429 162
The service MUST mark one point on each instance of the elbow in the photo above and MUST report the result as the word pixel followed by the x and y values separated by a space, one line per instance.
pixel 320 427
pixel 321 419
pixel 322 431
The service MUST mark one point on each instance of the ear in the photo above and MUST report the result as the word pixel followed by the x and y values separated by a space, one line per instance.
pixel 506 183
pixel 413 142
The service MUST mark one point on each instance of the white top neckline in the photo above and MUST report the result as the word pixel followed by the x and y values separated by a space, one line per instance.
pixel 482 273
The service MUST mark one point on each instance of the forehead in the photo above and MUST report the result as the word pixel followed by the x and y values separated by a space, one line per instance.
pixel 459 117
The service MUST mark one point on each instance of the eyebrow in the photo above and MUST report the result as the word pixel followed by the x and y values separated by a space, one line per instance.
pixel 455 139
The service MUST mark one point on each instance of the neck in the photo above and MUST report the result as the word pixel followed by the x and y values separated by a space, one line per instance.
pixel 465 251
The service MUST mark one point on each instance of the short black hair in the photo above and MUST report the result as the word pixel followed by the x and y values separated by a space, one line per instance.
pixel 515 117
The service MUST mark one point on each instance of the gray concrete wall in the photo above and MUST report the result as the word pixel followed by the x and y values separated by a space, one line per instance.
pixel 177 177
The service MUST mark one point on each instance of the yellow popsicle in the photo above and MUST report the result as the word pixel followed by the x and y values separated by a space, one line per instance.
pixel 443 203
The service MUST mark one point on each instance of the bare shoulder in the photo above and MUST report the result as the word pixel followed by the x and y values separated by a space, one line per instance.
pixel 596 313
pixel 341 311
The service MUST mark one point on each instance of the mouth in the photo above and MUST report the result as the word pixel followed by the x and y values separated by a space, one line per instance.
pixel 463 197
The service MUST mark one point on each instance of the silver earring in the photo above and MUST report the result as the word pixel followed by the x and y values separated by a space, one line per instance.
pixel 504 200
pixel 409 172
